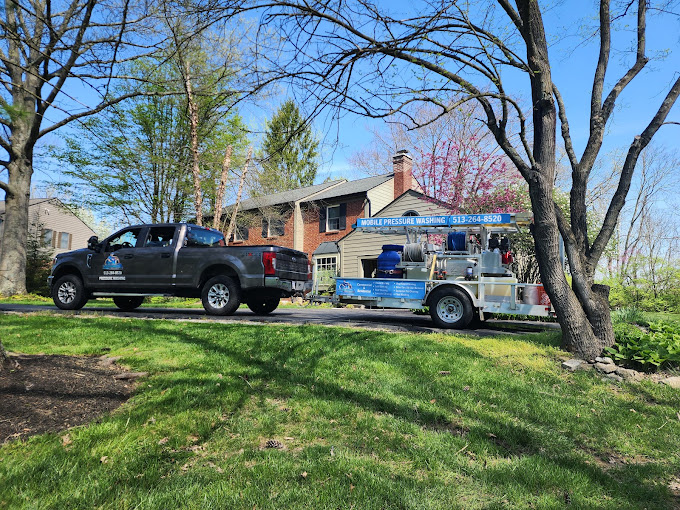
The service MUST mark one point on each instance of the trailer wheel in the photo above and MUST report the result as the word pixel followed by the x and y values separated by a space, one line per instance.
pixel 127 303
pixel 450 308
pixel 263 306
pixel 68 293
pixel 220 296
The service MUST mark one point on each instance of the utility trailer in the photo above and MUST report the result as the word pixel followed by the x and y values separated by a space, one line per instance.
pixel 461 279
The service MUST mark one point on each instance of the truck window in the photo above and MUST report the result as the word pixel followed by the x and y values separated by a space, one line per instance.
pixel 202 238
pixel 159 237
pixel 126 239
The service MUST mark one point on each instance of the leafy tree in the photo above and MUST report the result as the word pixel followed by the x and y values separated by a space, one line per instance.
pixel 355 56
pixel 290 152
pixel 47 46
pixel 38 260
pixel 138 170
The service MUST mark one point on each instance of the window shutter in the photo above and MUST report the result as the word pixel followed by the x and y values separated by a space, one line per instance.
pixel 322 219
pixel 55 236
pixel 244 232
pixel 343 216
pixel 265 227
pixel 70 241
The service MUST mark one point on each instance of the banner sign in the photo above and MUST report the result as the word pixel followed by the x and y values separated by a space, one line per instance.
pixel 436 221
pixel 380 287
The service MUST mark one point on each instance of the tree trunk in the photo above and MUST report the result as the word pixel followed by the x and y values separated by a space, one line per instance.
pixel 5 360
pixel 226 163
pixel 232 223
pixel 13 255
pixel 195 156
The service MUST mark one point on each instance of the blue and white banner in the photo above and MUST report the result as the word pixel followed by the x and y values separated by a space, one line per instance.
pixel 380 287
pixel 436 221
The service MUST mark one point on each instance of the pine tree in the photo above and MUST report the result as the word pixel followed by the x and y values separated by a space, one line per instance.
pixel 290 152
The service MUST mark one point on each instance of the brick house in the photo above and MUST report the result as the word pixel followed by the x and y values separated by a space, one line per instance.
pixel 307 218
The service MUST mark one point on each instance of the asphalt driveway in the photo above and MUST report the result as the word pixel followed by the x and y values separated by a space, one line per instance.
pixel 382 319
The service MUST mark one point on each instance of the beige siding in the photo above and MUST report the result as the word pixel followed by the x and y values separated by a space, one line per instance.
pixel 367 245
pixel 381 195
pixel 60 220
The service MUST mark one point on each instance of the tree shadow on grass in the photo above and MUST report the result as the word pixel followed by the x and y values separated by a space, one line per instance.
pixel 518 451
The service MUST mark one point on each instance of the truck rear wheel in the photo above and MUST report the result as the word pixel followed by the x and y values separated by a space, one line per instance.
pixel 263 306
pixel 68 293
pixel 220 296
pixel 450 308
pixel 127 303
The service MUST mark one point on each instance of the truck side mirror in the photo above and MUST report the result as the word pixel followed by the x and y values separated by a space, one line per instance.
pixel 93 244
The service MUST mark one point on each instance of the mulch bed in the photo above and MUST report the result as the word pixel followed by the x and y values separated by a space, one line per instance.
pixel 52 393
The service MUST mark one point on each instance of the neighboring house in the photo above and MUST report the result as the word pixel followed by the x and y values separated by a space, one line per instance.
pixel 308 218
pixel 60 228
pixel 357 252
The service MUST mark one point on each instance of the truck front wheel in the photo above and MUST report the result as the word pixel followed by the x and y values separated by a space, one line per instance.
pixel 127 303
pixel 68 293
pixel 450 308
pixel 263 306
pixel 220 296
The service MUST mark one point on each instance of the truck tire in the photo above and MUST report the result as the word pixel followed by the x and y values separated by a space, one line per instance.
pixel 220 296
pixel 450 308
pixel 68 293
pixel 263 306
pixel 127 303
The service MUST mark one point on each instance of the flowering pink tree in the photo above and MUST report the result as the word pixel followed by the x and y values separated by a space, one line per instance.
pixel 469 179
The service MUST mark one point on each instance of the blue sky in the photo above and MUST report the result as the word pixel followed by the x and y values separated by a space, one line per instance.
pixel 573 64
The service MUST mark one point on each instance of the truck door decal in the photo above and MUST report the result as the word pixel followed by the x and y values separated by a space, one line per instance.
pixel 112 269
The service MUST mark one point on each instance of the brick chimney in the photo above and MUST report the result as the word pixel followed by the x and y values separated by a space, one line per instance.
pixel 402 163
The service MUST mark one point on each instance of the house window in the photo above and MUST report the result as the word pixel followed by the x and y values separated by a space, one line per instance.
pixel 64 240
pixel 47 236
pixel 240 233
pixel 411 213
pixel 326 270
pixel 333 218
pixel 272 227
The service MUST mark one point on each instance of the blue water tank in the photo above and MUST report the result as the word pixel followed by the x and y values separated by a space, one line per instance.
pixel 456 241
pixel 388 260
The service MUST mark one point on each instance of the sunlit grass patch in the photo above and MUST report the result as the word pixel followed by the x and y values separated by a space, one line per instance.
pixel 236 416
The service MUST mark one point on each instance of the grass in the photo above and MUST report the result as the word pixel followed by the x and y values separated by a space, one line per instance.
pixel 366 419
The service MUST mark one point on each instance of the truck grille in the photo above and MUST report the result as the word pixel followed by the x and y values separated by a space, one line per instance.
pixel 291 267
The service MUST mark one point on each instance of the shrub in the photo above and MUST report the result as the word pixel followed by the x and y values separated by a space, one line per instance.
pixel 657 345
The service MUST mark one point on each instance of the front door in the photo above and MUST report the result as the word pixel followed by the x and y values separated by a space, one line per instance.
pixel 114 267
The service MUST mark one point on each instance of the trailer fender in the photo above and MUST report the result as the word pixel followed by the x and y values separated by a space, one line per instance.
pixel 465 288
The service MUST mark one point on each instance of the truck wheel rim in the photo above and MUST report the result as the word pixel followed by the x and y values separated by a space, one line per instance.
pixel 218 295
pixel 450 309
pixel 67 292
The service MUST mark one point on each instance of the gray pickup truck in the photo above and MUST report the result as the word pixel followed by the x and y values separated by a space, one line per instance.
pixel 178 259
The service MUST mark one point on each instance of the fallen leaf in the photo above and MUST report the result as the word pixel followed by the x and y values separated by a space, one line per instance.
pixel 192 439
pixel 433 401
pixel 678 415
pixel 66 440
pixel 304 474
pixel 633 411
pixel 444 372
pixel 489 434
pixel 104 459
pixel 351 487
pixel 163 440
pixel 466 388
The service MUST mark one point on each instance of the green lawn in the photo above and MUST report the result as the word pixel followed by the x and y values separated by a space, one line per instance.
pixel 366 420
